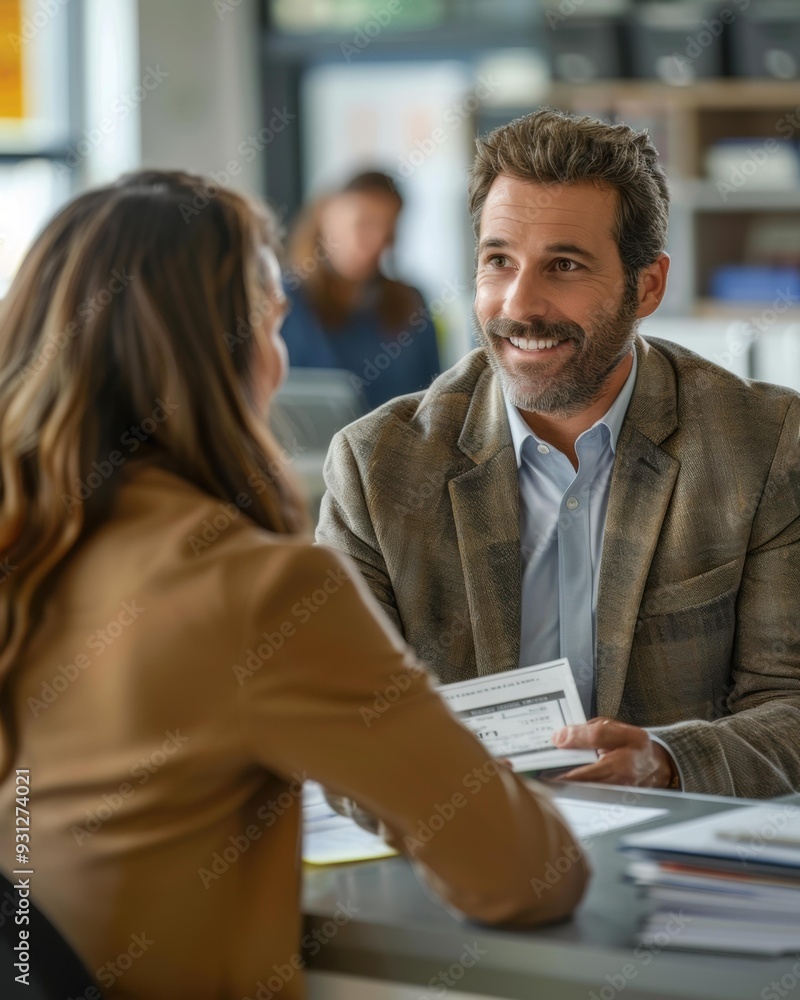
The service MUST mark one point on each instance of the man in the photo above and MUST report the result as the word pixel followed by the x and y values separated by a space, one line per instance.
pixel 570 489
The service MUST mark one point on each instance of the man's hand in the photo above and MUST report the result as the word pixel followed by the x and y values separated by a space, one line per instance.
pixel 627 754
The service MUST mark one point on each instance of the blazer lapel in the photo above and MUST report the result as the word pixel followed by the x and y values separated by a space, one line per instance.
pixel 641 487
pixel 485 501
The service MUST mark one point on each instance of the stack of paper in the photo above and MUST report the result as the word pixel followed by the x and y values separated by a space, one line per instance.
pixel 729 882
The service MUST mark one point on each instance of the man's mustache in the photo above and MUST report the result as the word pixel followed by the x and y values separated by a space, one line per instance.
pixel 535 330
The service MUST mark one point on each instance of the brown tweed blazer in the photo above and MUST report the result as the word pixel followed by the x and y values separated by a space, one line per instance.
pixel 698 623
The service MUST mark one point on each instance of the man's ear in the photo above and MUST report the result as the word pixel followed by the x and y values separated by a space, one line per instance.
pixel 652 285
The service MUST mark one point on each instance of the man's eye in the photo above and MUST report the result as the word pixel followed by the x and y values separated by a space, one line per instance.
pixel 565 265
pixel 497 260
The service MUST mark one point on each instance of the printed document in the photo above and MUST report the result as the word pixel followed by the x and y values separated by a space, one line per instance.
pixel 515 713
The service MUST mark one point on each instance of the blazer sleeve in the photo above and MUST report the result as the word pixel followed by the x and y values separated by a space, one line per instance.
pixel 345 524
pixel 343 700
pixel 754 751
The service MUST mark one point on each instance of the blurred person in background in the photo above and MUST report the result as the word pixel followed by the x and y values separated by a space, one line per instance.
pixel 163 681
pixel 345 313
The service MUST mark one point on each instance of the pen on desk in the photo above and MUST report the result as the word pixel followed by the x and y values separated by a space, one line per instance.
pixel 750 836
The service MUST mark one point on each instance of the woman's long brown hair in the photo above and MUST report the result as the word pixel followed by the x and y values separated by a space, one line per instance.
pixel 149 293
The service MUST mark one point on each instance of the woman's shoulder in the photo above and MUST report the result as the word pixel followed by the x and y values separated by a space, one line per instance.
pixel 181 532
pixel 163 503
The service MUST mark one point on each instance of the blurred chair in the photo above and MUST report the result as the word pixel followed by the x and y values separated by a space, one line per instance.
pixel 311 406
pixel 56 972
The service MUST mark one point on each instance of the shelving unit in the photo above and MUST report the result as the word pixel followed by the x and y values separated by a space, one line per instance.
pixel 709 228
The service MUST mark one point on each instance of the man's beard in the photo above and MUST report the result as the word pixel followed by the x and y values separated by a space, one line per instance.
pixel 576 382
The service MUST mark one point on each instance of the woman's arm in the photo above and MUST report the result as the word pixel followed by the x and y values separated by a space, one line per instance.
pixel 344 700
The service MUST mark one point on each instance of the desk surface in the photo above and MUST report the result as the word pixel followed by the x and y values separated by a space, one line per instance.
pixel 399 934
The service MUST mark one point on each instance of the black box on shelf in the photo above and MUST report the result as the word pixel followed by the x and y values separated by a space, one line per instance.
pixel 585 42
pixel 678 42
pixel 765 40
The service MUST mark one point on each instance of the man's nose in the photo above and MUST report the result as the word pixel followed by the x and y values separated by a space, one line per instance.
pixel 526 299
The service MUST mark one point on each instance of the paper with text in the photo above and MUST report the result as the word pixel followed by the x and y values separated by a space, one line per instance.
pixel 515 713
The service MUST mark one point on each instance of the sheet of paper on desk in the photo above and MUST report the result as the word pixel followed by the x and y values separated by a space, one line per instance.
pixel 589 819
pixel 515 714
pixel 331 839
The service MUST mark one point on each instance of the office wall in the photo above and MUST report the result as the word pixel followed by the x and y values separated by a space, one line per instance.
pixel 207 104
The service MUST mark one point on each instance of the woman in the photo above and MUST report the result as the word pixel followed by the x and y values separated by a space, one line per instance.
pixel 175 656
pixel 344 312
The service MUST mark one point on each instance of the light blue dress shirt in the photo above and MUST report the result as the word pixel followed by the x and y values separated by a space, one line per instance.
pixel 562 524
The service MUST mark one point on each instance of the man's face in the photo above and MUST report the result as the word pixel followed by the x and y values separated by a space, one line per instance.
pixel 550 294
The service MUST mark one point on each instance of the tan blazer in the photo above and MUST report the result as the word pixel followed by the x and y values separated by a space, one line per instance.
pixel 698 613
pixel 189 672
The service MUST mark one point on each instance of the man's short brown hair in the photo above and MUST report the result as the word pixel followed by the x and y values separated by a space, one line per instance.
pixel 551 147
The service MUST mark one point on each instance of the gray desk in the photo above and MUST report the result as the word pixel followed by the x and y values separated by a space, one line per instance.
pixel 398 935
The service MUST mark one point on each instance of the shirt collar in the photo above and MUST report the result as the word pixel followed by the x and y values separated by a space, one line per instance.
pixel 612 419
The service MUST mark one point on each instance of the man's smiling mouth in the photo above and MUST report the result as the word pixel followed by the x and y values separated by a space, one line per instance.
pixel 535 343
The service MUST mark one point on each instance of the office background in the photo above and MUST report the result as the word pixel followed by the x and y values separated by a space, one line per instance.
pixel 287 98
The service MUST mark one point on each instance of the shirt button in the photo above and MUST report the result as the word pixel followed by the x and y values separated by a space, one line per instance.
pixel 572 503
pixel 543 449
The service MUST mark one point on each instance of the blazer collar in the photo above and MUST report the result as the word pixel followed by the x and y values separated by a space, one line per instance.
pixel 641 489
pixel 653 409
pixel 485 430
pixel 485 504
